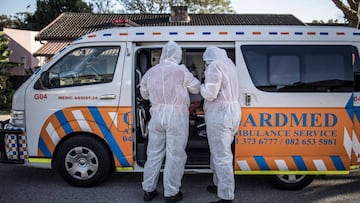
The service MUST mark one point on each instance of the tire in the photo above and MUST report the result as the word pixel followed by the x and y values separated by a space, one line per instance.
pixel 291 182
pixel 83 161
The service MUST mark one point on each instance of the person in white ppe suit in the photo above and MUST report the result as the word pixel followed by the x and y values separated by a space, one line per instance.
pixel 222 115
pixel 167 86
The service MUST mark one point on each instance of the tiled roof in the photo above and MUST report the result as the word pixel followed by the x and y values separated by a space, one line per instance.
pixel 51 48
pixel 70 26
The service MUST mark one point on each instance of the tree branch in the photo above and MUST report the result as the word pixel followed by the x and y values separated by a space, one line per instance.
pixel 350 14
pixel 352 4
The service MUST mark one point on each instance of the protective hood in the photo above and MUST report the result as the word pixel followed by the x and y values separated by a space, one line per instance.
pixel 214 53
pixel 171 52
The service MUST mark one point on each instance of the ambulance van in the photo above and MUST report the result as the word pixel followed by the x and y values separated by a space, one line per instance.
pixel 82 113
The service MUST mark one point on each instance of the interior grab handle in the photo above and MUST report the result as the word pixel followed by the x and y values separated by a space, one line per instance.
pixel 140 77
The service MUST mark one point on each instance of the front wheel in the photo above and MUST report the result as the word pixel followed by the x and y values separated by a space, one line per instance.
pixel 291 182
pixel 83 161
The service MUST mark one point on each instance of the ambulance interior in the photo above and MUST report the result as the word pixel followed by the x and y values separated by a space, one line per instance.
pixel 197 147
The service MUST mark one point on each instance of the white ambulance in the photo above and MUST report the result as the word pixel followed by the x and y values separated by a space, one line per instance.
pixel 82 113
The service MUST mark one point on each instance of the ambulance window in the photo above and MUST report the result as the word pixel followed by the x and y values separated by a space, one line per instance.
pixel 284 70
pixel 300 68
pixel 83 66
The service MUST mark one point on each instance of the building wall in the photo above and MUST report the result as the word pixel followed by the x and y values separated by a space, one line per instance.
pixel 23 45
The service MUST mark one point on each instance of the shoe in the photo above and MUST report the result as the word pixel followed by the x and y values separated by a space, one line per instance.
pixel 222 201
pixel 148 196
pixel 212 189
pixel 176 198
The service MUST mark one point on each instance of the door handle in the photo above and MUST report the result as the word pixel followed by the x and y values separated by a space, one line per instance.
pixel 107 96
pixel 247 99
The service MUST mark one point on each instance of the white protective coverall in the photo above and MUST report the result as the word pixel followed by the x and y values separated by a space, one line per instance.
pixel 167 86
pixel 222 116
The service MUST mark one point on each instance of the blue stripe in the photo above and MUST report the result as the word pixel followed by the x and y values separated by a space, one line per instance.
pixel 140 33
pixel 126 118
pixel 298 33
pixel 206 33
pixel 300 163
pixel 273 33
pixel 107 34
pixel 356 33
pixel 324 33
pixel 61 50
pixel 108 136
pixel 37 71
pixel 240 33
pixel 338 163
pixel 64 122
pixel 44 148
pixel 261 163
pixel 357 112
pixel 173 33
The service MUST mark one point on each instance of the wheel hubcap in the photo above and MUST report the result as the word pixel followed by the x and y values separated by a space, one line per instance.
pixel 291 178
pixel 81 163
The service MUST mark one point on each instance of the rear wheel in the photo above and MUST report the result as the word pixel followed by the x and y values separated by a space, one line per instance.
pixel 291 182
pixel 83 161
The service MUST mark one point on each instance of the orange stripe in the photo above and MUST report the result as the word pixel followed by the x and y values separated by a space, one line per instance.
pixel 57 126
pixel 291 164
pixel 357 134
pixel 40 152
pixel 330 164
pixel 48 142
pixel 309 162
pixel 71 119
pixel 91 122
pixel 223 33
pixel 190 33
pixel 271 163
pixel 253 165
pixel 256 33
pixel 104 112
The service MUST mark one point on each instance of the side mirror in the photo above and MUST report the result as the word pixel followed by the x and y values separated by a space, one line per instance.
pixel 44 79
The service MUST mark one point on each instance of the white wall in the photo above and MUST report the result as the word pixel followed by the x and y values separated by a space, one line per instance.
pixel 23 45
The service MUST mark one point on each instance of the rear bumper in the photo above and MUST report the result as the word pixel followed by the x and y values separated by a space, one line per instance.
pixel 13 148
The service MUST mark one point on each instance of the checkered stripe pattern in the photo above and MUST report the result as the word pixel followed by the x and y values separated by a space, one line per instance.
pixel 14 152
